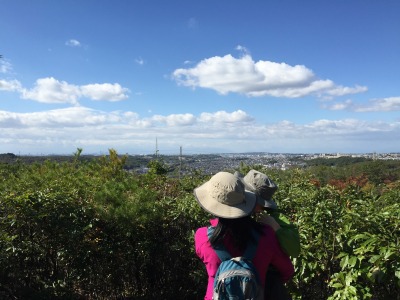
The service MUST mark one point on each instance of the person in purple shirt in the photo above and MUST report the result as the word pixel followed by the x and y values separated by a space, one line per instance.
pixel 224 197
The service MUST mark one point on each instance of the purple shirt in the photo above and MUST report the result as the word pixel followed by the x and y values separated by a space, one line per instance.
pixel 268 252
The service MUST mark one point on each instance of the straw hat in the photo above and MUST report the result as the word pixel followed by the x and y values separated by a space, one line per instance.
pixel 224 196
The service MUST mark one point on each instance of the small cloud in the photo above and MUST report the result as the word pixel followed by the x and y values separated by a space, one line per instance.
pixel 385 104
pixel 5 66
pixel 104 91
pixel 10 85
pixel 374 105
pixel 242 49
pixel 346 105
pixel 73 43
pixel 139 61
pixel 342 90
pixel 238 116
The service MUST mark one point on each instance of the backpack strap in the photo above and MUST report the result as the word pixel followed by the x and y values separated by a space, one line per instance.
pixel 223 253
pixel 251 249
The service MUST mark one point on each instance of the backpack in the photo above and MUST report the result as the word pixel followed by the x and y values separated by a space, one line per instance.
pixel 236 277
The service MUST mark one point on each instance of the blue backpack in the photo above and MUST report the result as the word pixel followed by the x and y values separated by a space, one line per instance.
pixel 236 277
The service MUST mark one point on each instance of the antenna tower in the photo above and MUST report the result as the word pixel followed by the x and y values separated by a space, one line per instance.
pixel 156 148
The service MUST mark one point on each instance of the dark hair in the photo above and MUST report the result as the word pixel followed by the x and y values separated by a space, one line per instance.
pixel 239 229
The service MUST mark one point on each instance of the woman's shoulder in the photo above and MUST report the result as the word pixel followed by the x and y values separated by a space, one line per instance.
pixel 204 230
pixel 267 231
pixel 201 241
pixel 201 234
pixel 201 230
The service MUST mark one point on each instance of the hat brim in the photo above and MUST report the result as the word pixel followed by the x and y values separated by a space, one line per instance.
pixel 222 210
pixel 266 203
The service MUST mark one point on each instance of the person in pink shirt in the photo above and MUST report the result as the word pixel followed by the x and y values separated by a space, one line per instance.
pixel 225 197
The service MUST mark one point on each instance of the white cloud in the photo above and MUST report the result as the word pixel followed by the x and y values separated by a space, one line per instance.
pixel 228 74
pixel 63 130
pixel 5 66
pixel 341 90
pixel 385 104
pixel 242 49
pixel 73 43
pixel 175 119
pixel 345 105
pixel 225 117
pixel 10 85
pixel 105 91
pixel 58 118
pixel 374 105
pixel 51 90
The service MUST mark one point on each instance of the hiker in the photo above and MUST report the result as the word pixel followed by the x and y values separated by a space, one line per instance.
pixel 286 232
pixel 234 229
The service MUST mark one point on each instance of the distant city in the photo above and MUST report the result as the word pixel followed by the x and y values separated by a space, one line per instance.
pixel 212 163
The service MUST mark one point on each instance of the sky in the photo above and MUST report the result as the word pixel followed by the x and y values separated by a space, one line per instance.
pixel 226 76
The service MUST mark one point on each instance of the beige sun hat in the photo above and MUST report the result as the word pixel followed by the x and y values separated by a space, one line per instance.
pixel 262 186
pixel 224 196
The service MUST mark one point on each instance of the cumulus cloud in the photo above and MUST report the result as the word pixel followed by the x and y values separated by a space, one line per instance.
pixel 243 75
pixel 104 91
pixel 374 105
pixel 73 43
pixel 51 90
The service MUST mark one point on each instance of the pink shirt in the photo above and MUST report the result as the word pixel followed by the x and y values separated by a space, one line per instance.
pixel 268 252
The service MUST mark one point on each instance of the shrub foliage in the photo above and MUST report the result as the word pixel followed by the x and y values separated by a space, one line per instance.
pixel 91 230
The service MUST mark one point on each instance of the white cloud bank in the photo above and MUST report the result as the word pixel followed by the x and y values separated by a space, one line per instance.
pixel 51 90
pixel 63 130
pixel 228 74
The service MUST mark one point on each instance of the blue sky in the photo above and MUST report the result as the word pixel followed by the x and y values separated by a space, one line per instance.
pixel 208 76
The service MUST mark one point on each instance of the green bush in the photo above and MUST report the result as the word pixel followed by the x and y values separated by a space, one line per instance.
pixel 91 230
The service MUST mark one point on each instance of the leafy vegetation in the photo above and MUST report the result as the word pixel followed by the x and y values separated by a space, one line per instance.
pixel 88 229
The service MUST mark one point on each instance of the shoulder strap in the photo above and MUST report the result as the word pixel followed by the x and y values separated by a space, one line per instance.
pixel 223 254
pixel 251 249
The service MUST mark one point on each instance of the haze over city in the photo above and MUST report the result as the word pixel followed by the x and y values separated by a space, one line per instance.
pixel 208 76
